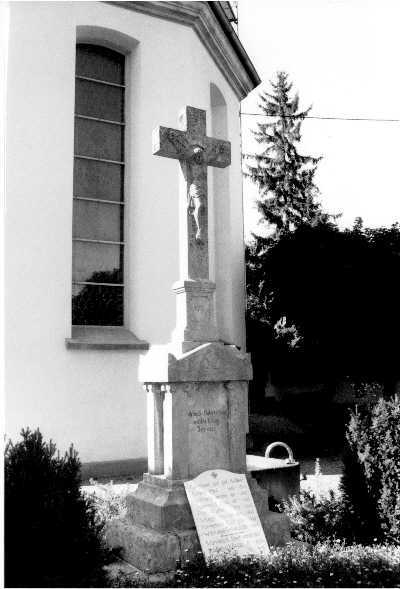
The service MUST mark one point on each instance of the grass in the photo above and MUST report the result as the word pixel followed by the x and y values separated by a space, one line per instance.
pixel 324 565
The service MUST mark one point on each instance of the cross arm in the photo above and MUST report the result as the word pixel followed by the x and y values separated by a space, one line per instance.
pixel 218 153
pixel 170 143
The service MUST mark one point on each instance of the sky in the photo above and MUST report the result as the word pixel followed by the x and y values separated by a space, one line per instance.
pixel 342 57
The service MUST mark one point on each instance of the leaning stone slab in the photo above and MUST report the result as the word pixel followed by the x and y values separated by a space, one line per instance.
pixel 226 517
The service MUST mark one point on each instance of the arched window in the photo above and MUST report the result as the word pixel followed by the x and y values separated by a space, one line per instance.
pixel 98 206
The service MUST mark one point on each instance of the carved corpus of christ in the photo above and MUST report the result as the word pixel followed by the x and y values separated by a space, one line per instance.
pixel 195 184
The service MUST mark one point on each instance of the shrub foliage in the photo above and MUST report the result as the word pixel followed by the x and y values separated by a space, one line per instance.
pixel 319 519
pixel 51 536
pixel 108 503
pixel 371 473
pixel 368 510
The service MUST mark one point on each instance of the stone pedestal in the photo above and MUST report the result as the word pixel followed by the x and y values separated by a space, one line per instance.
pixel 158 535
pixel 193 426
pixel 196 409
pixel 195 314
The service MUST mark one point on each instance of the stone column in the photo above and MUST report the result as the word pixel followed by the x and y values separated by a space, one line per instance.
pixel 176 447
pixel 237 400
pixel 155 428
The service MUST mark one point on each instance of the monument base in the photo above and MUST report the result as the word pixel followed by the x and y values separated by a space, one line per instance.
pixel 160 504
pixel 153 550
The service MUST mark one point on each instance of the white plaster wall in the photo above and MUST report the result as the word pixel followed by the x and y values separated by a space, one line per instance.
pixel 92 398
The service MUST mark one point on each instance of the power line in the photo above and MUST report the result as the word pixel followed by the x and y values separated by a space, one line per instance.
pixel 256 114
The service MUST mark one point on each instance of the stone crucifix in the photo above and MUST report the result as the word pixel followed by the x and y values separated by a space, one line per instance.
pixel 195 152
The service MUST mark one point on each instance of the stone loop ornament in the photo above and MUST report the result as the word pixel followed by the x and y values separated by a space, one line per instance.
pixel 289 460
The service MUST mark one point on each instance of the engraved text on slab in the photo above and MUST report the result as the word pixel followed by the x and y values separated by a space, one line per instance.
pixel 225 515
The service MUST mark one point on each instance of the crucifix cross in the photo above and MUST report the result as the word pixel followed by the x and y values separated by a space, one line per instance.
pixel 195 152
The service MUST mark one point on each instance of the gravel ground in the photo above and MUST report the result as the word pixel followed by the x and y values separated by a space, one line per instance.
pixel 330 468
pixel 328 479
pixel 322 485
pixel 128 480
pixel 331 465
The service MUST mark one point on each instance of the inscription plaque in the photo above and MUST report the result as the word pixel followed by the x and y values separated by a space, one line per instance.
pixel 225 515
pixel 208 420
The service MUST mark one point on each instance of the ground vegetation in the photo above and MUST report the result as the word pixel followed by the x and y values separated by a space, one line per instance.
pixel 52 538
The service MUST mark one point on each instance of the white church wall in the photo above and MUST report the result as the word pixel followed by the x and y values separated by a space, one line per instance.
pixel 92 398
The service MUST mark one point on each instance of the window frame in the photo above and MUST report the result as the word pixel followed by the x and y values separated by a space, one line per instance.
pixel 121 202
pixel 99 337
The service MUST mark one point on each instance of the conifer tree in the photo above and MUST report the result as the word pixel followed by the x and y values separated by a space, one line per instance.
pixel 284 177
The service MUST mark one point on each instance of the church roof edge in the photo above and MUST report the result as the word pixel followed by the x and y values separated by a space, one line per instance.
pixel 207 19
pixel 225 23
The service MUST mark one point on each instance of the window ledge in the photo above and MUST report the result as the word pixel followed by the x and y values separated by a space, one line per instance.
pixel 84 337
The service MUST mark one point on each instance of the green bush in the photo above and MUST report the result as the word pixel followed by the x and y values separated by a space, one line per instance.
pixel 51 536
pixel 368 511
pixel 321 566
pixel 371 472
pixel 108 504
pixel 319 519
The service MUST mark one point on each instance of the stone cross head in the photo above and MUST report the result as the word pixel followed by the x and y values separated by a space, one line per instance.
pixel 190 145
